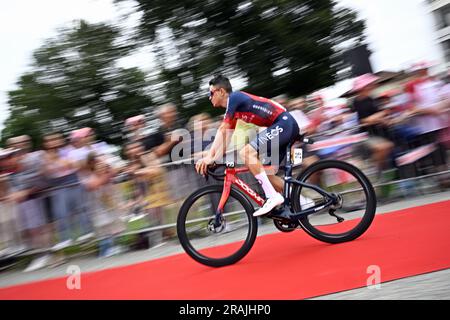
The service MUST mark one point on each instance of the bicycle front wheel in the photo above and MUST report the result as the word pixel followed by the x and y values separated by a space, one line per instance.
pixel 211 245
pixel 344 221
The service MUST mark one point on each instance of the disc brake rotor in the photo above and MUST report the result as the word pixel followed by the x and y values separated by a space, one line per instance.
pixel 216 228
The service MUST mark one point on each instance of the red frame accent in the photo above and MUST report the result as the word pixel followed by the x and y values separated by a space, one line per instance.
pixel 230 179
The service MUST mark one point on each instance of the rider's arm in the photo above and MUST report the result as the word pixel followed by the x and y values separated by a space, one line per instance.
pixel 221 141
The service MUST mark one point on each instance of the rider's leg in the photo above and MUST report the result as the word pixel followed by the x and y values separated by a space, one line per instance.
pixel 250 157
pixel 271 142
pixel 276 182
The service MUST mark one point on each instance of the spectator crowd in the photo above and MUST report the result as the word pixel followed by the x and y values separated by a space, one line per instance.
pixel 78 190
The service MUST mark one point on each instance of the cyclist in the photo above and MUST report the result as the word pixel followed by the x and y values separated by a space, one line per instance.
pixel 281 130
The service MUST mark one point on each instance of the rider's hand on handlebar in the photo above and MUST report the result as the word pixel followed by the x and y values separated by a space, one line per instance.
pixel 202 165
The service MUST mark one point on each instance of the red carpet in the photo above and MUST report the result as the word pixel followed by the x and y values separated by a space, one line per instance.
pixel 280 266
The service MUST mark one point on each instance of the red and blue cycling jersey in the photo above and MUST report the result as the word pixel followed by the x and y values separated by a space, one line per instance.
pixel 252 109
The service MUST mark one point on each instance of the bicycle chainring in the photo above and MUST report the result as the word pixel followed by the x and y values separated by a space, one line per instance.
pixel 216 228
pixel 285 226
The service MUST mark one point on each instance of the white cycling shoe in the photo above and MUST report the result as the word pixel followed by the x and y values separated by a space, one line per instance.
pixel 269 205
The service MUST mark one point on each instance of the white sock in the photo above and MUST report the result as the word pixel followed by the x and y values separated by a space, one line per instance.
pixel 269 190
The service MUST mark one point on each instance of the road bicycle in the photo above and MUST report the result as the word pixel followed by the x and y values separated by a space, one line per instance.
pixel 331 200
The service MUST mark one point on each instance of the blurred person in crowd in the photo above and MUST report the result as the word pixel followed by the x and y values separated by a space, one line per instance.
pixel 84 142
pixel 149 180
pixel 166 136
pixel 5 161
pixel 164 147
pixel 426 98
pixel 444 137
pixel 102 150
pixel 27 181
pixel 200 126
pixel 10 241
pixel 69 145
pixel 67 195
pixel 296 108
pixel 320 117
pixel 134 188
pixel 395 103
pixel 136 128
pixel 336 117
pixel 315 107
pixel 339 116
pixel 330 121
pixel 104 204
pixel 78 151
pixel 264 113
pixel 296 104
pixel 429 106
pixel 160 142
pixel 281 99
pixel 202 130
pixel 373 121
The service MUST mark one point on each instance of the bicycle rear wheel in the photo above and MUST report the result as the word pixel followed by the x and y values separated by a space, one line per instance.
pixel 223 245
pixel 356 207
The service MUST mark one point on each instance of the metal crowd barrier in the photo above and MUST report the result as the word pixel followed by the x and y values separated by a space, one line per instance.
pixel 180 180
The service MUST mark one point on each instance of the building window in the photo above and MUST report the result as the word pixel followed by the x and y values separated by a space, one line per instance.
pixel 443 17
pixel 446 45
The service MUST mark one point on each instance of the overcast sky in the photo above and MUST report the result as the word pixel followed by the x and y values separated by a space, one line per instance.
pixel 399 32
pixel 25 24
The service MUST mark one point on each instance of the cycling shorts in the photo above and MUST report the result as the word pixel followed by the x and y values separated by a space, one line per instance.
pixel 272 142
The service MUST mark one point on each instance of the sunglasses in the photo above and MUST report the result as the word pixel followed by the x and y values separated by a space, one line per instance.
pixel 212 92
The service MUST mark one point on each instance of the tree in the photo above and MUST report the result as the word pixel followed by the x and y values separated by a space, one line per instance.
pixel 282 46
pixel 75 81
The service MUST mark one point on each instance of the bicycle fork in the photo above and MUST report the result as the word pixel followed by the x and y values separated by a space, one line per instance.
pixel 218 219
pixel 230 179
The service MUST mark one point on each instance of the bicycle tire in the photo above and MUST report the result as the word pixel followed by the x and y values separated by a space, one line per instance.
pixel 368 189
pixel 197 256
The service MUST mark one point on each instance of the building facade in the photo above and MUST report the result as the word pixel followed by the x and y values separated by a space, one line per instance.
pixel 440 10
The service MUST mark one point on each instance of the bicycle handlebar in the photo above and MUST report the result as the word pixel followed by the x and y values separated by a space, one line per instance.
pixel 211 171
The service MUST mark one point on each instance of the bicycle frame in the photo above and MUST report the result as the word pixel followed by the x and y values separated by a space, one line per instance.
pixel 232 179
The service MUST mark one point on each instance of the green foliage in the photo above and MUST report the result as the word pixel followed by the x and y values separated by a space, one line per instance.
pixel 284 46
pixel 74 82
